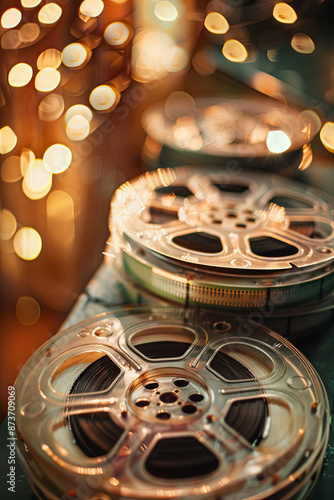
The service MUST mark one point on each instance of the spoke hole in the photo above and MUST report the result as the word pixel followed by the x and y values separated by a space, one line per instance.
pixel 151 386
pixel 189 409
pixel 142 403
pixel 231 215
pixel 241 225
pixel 196 398
pixel 168 397
pixel 181 382
pixel 163 415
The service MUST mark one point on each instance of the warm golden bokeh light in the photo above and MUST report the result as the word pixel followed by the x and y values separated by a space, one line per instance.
pixel 50 13
pixel 149 55
pixel 116 34
pixel 103 97
pixel 60 221
pixel 8 224
pixel 10 40
pixel 37 181
pixel 74 55
pixel 91 8
pixel 8 140
pixel 235 51
pixel 78 109
pixel 27 243
pixel 277 141
pixel 176 59
pixel 28 311
pixel 57 158
pixel 284 13
pixel 20 75
pixel 216 23
pixel 29 4
pixel 29 33
pixel 27 158
pixel 51 108
pixel 47 79
pixel 165 11
pixel 302 43
pixel 10 169
pixel 50 58
pixel 11 18
pixel 327 136
pixel 77 128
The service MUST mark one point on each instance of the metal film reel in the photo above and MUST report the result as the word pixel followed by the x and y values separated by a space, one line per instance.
pixel 157 402
pixel 228 237
pixel 259 132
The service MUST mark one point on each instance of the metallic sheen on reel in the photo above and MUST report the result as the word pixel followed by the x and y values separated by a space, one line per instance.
pixel 154 402
pixel 226 237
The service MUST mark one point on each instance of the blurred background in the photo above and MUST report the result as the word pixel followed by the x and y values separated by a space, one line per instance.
pixel 76 78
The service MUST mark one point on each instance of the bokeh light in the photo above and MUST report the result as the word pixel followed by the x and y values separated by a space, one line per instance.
pixel 8 140
pixel 302 43
pixel 10 169
pixel 51 108
pixel 216 23
pixel 103 97
pixel 8 224
pixel 165 11
pixel 27 158
pixel 11 18
pixel 28 311
pixel 277 141
pixel 327 136
pixel 20 75
pixel 176 59
pixel 74 55
pixel 37 181
pixel 284 13
pixel 50 58
pixel 50 13
pixel 27 243
pixel 91 8
pixel 117 34
pixel 57 158
pixel 47 79
pixel 29 4
pixel 77 128
pixel 234 51
pixel 29 33
pixel 78 109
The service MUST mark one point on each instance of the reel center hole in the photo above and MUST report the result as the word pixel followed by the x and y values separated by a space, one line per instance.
pixel 168 397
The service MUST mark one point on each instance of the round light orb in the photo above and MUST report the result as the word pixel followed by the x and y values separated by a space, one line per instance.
pixel 20 75
pixel 284 13
pixel 277 141
pixel 8 224
pixel 57 158
pixel 216 23
pixel 47 79
pixel 11 18
pixel 77 128
pixel 116 34
pixel 28 311
pixel 50 58
pixel 8 140
pixel 37 181
pixel 102 97
pixel 30 4
pixel 27 243
pixel 165 11
pixel 78 109
pixel 91 8
pixel 50 13
pixel 51 108
pixel 234 51
pixel 74 55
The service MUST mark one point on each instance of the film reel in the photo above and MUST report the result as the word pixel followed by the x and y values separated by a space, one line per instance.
pixel 225 238
pixel 259 132
pixel 159 402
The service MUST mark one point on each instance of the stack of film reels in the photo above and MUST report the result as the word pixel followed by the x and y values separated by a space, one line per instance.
pixel 191 395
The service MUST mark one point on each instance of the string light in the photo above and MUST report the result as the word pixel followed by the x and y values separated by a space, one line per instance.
pixel 284 13
pixel 302 43
pixel 8 140
pixel 74 55
pixel 91 8
pixel 77 128
pixel 29 4
pixel 102 97
pixel 117 34
pixel 235 51
pixel 8 224
pixel 79 109
pixel 327 136
pixel 277 141
pixel 165 11
pixel 50 58
pixel 37 181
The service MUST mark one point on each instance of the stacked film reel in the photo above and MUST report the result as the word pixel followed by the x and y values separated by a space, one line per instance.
pixel 209 129
pixel 157 402
pixel 251 242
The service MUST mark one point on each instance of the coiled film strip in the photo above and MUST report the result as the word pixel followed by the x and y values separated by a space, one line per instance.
pixel 159 402
pixel 223 238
